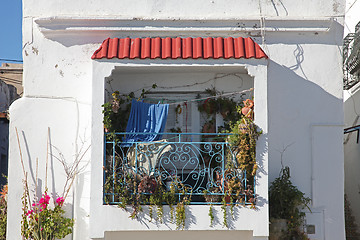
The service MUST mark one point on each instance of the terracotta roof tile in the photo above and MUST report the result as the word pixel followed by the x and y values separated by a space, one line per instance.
pixel 179 48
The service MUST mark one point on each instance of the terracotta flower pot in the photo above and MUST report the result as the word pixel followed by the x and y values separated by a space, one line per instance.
pixel 247 110
pixel 208 128
pixel 277 227
pixel 248 103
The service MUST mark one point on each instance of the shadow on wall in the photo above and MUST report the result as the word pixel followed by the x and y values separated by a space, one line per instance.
pixel 295 103
pixel 262 145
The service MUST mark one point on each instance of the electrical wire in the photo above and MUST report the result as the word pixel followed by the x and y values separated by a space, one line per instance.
pixel 220 95
pixel 195 84
pixel 351 6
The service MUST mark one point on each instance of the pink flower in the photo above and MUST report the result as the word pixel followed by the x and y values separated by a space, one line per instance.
pixel 44 201
pixel 47 199
pixel 60 201
pixel 29 212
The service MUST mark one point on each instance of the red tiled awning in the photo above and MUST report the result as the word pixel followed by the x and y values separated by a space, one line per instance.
pixel 182 48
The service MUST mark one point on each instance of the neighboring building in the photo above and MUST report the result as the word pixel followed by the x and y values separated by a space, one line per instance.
pixel 293 63
pixel 10 90
pixel 351 60
pixel 11 74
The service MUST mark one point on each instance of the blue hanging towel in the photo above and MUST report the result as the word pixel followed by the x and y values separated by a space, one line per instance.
pixel 146 118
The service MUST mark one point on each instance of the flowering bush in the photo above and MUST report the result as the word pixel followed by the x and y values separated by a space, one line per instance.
pixel 3 212
pixel 40 222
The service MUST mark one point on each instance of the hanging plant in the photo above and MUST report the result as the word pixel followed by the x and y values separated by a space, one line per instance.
pixel 134 192
pixel 178 111
pixel 209 106
pixel 243 140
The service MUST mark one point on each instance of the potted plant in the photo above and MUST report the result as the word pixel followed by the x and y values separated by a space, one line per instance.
pixel 248 108
pixel 286 202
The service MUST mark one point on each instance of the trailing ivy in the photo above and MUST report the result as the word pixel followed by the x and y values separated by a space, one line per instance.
pixel 243 144
pixel 211 215
pixel 224 210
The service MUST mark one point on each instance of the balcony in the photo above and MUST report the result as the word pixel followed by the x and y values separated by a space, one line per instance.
pixel 199 166
pixel 117 170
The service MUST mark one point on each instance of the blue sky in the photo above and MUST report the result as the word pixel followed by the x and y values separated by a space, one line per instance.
pixel 11 34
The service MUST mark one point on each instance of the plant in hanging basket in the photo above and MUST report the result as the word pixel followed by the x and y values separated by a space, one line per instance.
pixel 226 107
pixel 209 106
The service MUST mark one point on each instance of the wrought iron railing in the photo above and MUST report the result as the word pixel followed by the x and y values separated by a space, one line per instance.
pixel 200 165
pixel 351 59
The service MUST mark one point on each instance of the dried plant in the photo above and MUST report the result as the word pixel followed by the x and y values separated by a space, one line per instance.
pixel 39 221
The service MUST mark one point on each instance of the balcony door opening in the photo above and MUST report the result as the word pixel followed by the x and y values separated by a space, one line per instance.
pixel 193 149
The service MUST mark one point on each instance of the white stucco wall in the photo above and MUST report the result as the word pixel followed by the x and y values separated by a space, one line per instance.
pixel 352 9
pixel 302 94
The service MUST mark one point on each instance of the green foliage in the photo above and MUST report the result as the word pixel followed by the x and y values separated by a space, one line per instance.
pixel 3 212
pixel 136 191
pixel 211 215
pixel 40 222
pixel 224 210
pixel 180 216
pixel 117 110
pixel 115 120
pixel 243 144
pixel 180 207
pixel 286 202
pixel 227 107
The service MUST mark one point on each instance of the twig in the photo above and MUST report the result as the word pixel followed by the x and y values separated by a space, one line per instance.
pixel 47 158
pixel 21 158
pixel 36 176
pixel 282 153
pixel 23 168
pixel 70 171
